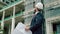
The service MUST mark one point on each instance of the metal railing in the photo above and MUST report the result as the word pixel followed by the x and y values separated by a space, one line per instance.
pixel 10 3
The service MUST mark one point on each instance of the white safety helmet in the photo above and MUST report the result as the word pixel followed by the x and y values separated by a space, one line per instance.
pixel 39 5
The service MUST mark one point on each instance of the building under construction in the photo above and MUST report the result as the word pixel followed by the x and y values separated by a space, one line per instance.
pixel 15 11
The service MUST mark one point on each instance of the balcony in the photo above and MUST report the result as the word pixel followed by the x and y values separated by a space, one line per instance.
pixel 1 5
pixel 52 8
pixel 9 4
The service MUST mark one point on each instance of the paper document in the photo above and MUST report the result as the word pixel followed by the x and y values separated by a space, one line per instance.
pixel 20 29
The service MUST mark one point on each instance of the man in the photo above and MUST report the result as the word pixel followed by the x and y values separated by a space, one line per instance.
pixel 37 20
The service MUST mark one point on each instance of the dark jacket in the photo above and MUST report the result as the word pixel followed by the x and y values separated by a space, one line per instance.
pixel 36 24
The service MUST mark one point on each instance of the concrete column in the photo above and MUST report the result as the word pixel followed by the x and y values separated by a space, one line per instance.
pixel 49 28
pixel 2 23
pixel 9 29
pixel 13 20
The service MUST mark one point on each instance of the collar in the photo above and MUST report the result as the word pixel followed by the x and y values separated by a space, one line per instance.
pixel 36 13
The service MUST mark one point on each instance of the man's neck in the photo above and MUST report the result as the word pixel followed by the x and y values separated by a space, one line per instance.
pixel 37 12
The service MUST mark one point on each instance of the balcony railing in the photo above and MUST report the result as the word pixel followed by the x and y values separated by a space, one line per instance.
pixel 53 12
pixel 10 3
pixel 52 8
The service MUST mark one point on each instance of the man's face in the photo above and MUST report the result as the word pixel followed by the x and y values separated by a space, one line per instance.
pixel 36 9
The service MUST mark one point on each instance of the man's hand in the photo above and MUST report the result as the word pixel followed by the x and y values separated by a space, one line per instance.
pixel 27 28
